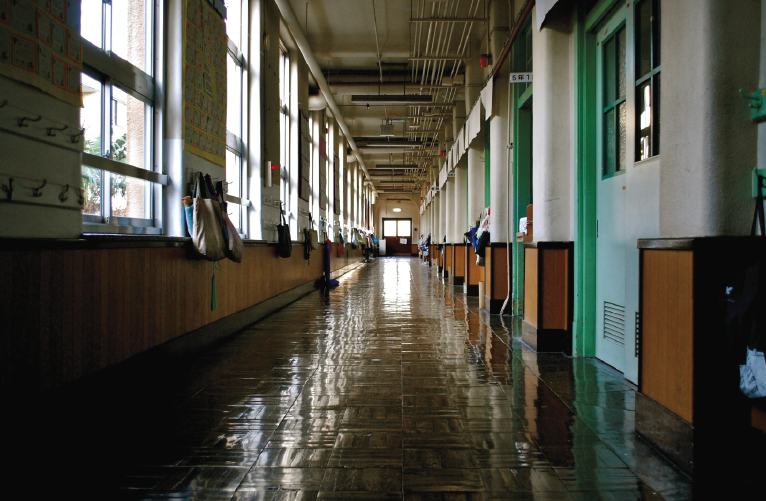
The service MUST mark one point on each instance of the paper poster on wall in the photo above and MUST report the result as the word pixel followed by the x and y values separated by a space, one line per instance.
pixel 40 45
pixel 205 50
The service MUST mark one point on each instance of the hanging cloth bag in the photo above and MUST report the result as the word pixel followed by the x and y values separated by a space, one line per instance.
pixel 284 244
pixel 207 227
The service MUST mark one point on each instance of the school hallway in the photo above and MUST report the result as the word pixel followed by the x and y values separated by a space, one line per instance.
pixel 391 386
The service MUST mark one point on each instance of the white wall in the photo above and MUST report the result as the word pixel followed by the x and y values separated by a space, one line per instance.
pixel 708 143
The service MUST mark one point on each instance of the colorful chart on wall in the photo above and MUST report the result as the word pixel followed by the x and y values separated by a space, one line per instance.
pixel 40 45
pixel 205 50
pixel 304 190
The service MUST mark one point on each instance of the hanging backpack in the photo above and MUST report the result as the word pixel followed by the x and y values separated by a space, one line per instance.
pixel 235 249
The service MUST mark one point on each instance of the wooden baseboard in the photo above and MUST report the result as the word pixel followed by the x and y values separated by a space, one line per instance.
pixel 546 340
pixel 667 432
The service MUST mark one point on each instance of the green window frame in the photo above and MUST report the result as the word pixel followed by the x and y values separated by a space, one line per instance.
pixel 615 106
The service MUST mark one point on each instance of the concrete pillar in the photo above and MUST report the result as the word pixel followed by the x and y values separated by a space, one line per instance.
pixel 499 21
pixel 475 153
pixel 443 219
pixel 552 130
pixel 499 130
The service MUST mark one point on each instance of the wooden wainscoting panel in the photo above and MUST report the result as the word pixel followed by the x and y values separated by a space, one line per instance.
pixel 554 274
pixel 530 285
pixel 472 270
pixel 499 289
pixel 667 330
pixel 459 260
pixel 69 313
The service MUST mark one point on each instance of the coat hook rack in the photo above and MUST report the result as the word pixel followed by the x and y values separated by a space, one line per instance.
pixel 38 192
pixel 3 103
pixel 50 130
pixel 9 188
pixel 64 195
pixel 76 137
pixel 23 120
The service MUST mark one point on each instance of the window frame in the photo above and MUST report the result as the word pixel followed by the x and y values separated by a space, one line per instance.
pixel 235 142
pixel 397 220
pixel 284 133
pixel 110 70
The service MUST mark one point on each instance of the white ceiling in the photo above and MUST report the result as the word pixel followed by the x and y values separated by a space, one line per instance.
pixel 342 36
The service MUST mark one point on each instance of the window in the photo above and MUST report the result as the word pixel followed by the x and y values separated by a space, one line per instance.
pixel 235 123
pixel 284 124
pixel 647 26
pixel 118 116
pixel 397 228
pixel 615 106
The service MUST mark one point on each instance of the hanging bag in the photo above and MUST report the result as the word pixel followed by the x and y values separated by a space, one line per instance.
pixel 235 249
pixel 207 233
pixel 285 244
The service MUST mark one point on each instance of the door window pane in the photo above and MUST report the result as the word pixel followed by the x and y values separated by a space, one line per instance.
pixel 609 71
pixel 644 111
pixel 404 228
pixel 621 65
pixel 610 157
pixel 623 134
pixel 656 116
pixel 389 228
pixel 643 38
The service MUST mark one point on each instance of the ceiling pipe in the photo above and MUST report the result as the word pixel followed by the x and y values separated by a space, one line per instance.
pixel 300 40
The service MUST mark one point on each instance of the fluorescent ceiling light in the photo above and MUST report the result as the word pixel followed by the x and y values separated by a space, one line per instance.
pixel 397 209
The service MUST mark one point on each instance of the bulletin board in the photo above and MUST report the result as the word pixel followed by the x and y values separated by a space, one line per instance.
pixel 40 45
pixel 205 50
pixel 336 184
pixel 304 190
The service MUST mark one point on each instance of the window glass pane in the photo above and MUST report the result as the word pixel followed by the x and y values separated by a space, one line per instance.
pixel 623 130
pixel 90 115
pixel 609 71
pixel 128 128
pixel 621 68
pixel 129 31
pixel 233 176
pixel 644 115
pixel 656 116
pixel 643 38
pixel 389 228
pixel 233 21
pixel 129 196
pixel 234 104
pixel 610 154
pixel 91 21
pixel 404 229
pixel 656 17
pixel 91 122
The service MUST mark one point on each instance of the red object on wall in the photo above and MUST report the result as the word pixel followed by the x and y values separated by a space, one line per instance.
pixel 441 153
pixel 484 60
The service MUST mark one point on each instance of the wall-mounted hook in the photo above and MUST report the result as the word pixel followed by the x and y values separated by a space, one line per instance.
pixel 23 120
pixel 76 137
pixel 64 195
pixel 9 188
pixel 755 97
pixel 3 103
pixel 50 130
pixel 38 192
pixel 81 192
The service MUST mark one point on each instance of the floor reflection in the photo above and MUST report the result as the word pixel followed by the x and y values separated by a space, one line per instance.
pixel 392 386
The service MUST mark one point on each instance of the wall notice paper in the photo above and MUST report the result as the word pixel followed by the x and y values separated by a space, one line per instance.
pixel 205 50
pixel 40 45
pixel 403 241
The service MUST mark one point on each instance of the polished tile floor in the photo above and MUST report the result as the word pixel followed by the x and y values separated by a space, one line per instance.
pixel 392 386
